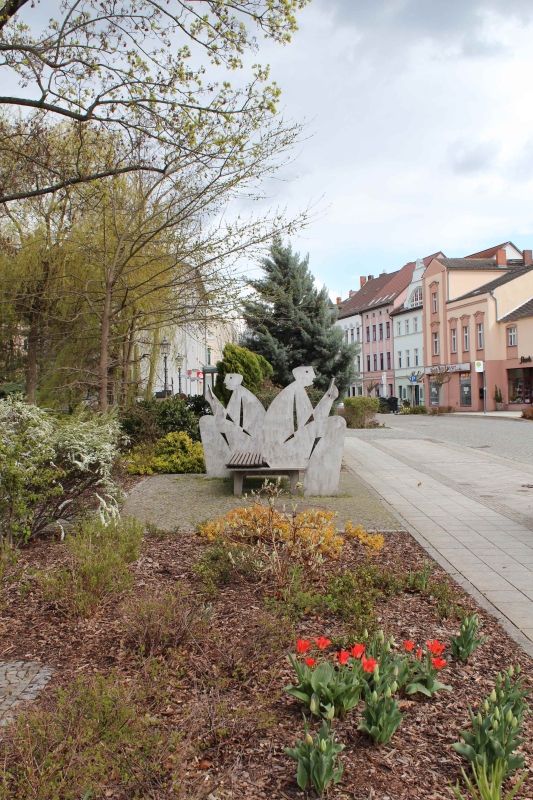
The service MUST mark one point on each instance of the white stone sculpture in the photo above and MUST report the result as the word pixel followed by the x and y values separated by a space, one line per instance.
pixel 291 437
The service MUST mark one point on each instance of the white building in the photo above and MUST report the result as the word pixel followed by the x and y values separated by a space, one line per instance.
pixel 183 359
pixel 408 337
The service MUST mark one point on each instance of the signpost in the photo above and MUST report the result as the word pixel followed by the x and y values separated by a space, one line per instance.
pixel 479 366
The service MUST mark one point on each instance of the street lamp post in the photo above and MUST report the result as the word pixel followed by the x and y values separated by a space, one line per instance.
pixel 165 350
pixel 179 364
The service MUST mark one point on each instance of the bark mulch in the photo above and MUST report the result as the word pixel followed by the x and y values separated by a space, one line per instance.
pixel 227 695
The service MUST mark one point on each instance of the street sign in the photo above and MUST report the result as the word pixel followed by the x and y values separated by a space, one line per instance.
pixel 479 366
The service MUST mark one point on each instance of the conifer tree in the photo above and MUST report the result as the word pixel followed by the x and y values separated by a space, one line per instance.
pixel 291 323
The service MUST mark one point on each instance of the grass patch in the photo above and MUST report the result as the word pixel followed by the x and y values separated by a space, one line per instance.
pixel 97 566
pixel 224 563
pixel 97 739
pixel 155 624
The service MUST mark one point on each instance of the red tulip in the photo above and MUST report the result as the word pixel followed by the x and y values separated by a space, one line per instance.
pixel 419 653
pixel 435 647
pixel 322 642
pixel 409 645
pixel 369 664
pixel 302 645
pixel 438 663
pixel 343 657
pixel 358 650
pixel 310 662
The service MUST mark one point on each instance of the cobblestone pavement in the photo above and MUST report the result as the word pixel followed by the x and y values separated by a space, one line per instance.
pixel 20 681
pixel 471 508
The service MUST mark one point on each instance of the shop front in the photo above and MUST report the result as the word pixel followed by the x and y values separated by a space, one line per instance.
pixel 520 384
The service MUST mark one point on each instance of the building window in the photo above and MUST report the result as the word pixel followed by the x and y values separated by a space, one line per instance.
pixel 407 326
pixel 373 333
pixel 415 324
pixel 388 330
pixel 399 328
pixel 415 351
pixel 380 331
pixel 434 302
pixel 375 362
pixel 368 333
pixel 388 361
pixel 360 390
pixel 358 333
pixel 511 336
pixel 358 363
pixel 435 341
pixel 407 358
pixel 480 336
pixel 390 389
pixel 453 340
pixel 368 363
pixel 399 359
pixel 346 335
pixel 416 298
pixel 466 338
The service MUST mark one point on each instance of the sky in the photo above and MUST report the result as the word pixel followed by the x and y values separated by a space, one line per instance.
pixel 419 131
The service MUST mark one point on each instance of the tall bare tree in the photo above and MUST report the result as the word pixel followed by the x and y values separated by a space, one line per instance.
pixel 152 77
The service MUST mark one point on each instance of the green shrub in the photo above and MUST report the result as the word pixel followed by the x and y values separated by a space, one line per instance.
pixel 174 453
pixel 154 624
pixel 149 420
pixel 360 412
pixel 49 465
pixel 254 368
pixel 95 739
pixel 384 407
pixel 98 558
pixel 224 563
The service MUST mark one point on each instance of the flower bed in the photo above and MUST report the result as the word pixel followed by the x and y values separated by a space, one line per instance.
pixel 215 697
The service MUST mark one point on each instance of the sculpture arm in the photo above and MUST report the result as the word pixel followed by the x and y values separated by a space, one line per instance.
pixel 323 407
pixel 219 412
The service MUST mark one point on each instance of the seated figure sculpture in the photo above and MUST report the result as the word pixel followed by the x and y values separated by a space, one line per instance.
pixel 297 435
pixel 230 428
pixel 291 435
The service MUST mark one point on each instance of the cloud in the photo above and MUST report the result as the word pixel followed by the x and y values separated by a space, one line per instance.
pixel 472 157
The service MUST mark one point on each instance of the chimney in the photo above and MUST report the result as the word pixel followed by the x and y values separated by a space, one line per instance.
pixel 339 300
pixel 362 280
pixel 528 258
pixel 370 277
pixel 501 257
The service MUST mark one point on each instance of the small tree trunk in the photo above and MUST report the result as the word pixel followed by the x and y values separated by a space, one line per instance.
pixel 103 372
pixel 32 358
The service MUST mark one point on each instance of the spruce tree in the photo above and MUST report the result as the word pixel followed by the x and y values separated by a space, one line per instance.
pixel 291 323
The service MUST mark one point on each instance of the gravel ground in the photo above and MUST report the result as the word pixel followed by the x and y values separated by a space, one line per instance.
pixel 183 501
pixel 509 438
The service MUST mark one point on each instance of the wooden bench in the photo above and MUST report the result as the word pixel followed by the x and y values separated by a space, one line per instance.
pixel 244 463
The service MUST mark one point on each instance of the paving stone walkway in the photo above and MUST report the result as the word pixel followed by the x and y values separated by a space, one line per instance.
pixel 20 681
pixel 470 510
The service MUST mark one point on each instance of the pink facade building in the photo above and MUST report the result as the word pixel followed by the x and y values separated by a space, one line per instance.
pixel 478 316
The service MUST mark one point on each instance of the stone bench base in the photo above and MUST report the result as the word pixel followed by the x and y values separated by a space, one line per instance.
pixel 295 476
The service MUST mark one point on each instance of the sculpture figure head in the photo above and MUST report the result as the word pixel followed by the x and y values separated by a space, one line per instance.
pixel 232 380
pixel 304 375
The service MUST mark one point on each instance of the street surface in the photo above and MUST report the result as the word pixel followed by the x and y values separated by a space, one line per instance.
pixel 464 487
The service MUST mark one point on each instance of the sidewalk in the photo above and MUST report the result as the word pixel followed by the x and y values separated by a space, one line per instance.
pixel 488 550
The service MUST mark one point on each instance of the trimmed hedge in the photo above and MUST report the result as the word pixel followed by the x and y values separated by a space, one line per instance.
pixel 360 412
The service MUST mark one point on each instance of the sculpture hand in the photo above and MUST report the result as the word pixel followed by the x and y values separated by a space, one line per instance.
pixel 333 392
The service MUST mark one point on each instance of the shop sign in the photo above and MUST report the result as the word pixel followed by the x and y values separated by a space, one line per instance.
pixel 448 367
pixel 479 366
pixel 526 359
